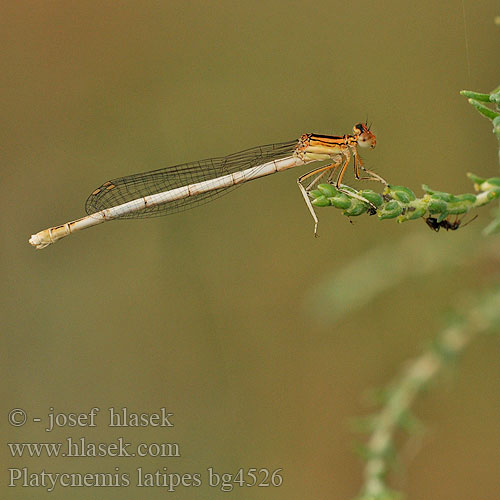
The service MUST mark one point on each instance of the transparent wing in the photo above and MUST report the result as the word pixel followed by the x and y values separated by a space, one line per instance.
pixel 118 191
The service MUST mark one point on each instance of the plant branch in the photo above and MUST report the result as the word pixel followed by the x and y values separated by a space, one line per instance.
pixel 400 202
pixel 396 412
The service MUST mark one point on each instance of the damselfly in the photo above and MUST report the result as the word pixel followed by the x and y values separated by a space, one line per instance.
pixel 174 189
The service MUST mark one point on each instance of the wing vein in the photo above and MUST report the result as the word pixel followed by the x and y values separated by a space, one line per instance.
pixel 124 189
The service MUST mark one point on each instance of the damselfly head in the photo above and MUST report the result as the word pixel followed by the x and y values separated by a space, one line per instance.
pixel 365 138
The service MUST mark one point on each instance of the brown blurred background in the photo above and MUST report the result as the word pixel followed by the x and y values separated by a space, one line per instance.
pixel 212 313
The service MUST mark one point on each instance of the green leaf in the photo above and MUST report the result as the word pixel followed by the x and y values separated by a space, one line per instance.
pixel 391 210
pixel 372 197
pixel 321 201
pixel 315 193
pixel 475 178
pixel 442 217
pixel 401 193
pixel 415 214
pixel 357 208
pixel 475 95
pixel 341 201
pixel 484 110
pixel 328 190
pixel 436 206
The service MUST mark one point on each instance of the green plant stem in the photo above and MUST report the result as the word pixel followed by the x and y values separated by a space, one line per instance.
pixel 483 317
pixel 399 202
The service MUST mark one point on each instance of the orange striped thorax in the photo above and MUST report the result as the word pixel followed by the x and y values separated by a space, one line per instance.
pixel 316 145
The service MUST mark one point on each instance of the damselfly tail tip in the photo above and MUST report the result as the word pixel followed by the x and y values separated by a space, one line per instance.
pixel 35 240
pixel 39 240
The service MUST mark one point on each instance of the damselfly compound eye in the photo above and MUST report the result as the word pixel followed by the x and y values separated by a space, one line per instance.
pixel 367 140
pixel 359 128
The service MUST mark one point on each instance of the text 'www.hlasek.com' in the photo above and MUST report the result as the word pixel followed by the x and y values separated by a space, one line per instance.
pixel 73 450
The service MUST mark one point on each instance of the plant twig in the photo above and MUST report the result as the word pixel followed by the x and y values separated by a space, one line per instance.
pixel 396 412
pixel 400 202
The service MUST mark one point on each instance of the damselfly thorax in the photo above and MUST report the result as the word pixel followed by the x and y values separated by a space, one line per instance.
pixel 338 149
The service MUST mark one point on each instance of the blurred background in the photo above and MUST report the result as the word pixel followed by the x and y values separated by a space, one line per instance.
pixel 231 316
